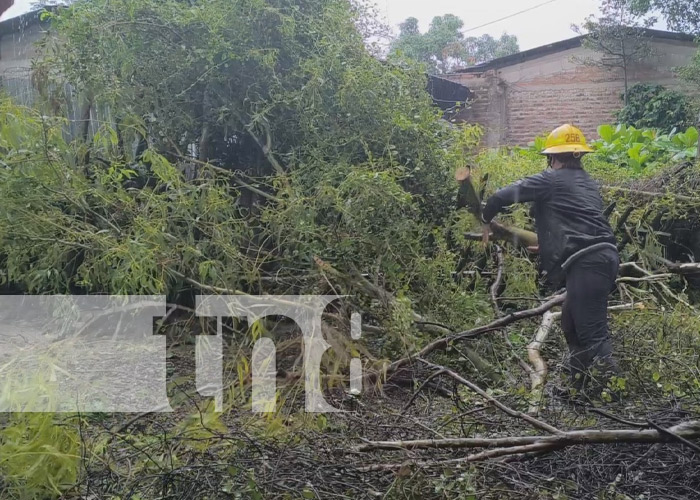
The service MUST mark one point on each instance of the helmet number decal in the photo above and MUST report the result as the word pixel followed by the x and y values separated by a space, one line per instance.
pixel 573 138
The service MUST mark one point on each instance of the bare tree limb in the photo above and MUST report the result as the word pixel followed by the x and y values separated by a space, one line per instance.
pixel 675 436
pixel 420 389
pixel 444 342
pixel 539 372
pixel 475 388
pixel 507 446
pixel 500 263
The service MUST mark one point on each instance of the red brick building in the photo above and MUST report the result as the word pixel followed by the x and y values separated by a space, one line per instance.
pixel 524 95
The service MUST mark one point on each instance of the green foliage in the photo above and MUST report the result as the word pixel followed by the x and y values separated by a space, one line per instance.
pixel 486 48
pixel 691 72
pixel 64 227
pixel 682 16
pixel 40 452
pixel 39 456
pixel 654 106
pixel 354 159
pixel 443 48
pixel 641 150
pixel 306 149
pixel 665 341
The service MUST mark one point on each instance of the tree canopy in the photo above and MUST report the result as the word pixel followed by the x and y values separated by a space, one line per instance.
pixel 285 91
pixel 680 15
pixel 444 48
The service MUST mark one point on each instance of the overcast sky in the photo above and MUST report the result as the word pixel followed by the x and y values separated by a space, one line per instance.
pixel 539 26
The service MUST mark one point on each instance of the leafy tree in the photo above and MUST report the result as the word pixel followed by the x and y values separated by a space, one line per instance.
pixel 440 48
pixel 680 15
pixel 486 48
pixel 618 36
pixel 654 106
pixel 443 48
pixel 302 144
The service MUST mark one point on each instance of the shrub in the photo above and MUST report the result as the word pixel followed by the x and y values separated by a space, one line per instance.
pixel 654 106
pixel 640 150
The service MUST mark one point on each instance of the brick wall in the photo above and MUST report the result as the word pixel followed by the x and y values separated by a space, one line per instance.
pixel 519 102
pixel 538 112
pixel 488 108
pixel 586 97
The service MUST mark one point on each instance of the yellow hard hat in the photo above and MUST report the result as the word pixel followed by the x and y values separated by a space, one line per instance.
pixel 566 139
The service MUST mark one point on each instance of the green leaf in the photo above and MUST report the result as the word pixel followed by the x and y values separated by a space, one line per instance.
pixel 691 136
pixel 606 132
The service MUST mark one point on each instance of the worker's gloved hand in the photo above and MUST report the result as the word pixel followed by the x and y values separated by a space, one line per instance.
pixel 462 174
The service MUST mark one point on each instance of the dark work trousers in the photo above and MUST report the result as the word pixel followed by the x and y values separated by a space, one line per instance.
pixel 589 281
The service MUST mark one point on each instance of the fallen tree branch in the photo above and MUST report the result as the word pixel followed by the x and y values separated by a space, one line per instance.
pixel 615 418
pixel 539 372
pixel 475 388
pixel 674 435
pixel 373 290
pixel 688 268
pixel 420 389
pixel 675 267
pixel 444 342
pixel 514 235
pixel 500 265
pixel 652 277
pixel 650 194
pixel 508 446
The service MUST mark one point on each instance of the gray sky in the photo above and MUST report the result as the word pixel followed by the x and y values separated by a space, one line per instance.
pixel 539 26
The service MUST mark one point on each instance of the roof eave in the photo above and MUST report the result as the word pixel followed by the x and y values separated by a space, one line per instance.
pixel 560 46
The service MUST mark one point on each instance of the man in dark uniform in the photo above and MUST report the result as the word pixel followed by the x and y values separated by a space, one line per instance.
pixel 576 246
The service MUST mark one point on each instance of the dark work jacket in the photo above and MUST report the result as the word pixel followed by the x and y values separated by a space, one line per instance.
pixel 568 213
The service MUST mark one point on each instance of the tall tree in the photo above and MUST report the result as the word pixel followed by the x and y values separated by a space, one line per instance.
pixel 618 35
pixel 444 48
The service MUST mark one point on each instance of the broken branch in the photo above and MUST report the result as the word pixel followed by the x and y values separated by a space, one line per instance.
pixel 686 430
pixel 539 373
pixel 444 342
pixel 474 388
pixel 650 194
